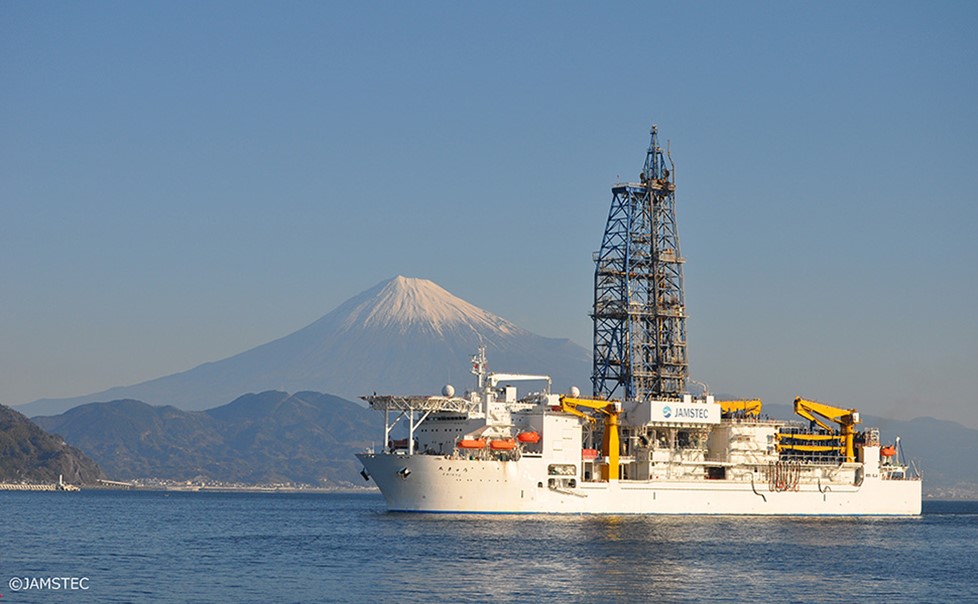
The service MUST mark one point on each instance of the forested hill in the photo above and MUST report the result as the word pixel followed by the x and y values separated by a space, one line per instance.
pixel 29 454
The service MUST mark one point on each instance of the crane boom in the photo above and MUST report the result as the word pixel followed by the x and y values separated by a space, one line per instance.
pixel 610 443
pixel 819 413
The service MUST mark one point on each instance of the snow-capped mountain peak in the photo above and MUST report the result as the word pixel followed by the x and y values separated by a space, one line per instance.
pixel 404 302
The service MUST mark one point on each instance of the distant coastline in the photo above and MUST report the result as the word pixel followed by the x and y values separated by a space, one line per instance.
pixel 27 486
pixel 153 484
pixel 37 486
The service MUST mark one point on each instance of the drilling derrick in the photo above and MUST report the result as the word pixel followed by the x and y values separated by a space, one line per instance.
pixel 639 309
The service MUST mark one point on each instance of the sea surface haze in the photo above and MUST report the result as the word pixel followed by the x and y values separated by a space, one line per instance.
pixel 240 547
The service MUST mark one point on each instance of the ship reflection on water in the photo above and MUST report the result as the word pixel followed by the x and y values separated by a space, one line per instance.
pixel 665 558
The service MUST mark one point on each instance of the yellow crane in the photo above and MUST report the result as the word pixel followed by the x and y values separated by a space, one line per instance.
pixel 846 418
pixel 610 444
pixel 750 408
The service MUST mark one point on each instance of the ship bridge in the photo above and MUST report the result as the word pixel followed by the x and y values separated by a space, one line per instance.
pixel 416 409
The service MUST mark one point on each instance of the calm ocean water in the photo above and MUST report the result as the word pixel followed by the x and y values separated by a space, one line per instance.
pixel 213 547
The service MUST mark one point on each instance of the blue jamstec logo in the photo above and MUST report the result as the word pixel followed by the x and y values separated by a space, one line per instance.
pixel 667 412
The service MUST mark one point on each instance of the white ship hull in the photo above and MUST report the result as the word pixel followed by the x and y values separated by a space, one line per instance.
pixel 434 483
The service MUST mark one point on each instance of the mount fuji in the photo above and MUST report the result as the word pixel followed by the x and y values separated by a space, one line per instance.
pixel 404 335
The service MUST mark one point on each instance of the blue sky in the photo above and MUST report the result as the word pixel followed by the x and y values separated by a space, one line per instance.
pixel 182 181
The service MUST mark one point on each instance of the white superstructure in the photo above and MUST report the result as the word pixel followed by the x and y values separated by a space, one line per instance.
pixel 492 451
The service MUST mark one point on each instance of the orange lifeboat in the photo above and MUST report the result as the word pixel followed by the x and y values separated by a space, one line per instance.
pixel 531 438
pixel 589 454
pixel 888 451
pixel 472 443
pixel 502 444
pixel 400 443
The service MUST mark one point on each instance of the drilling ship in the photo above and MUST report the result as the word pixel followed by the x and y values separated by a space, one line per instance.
pixel 641 443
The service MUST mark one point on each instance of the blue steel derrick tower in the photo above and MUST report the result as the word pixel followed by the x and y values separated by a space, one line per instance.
pixel 639 308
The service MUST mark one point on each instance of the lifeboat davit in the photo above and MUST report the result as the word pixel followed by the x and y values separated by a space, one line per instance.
pixel 528 437
pixel 589 454
pixel 472 443
pixel 888 451
pixel 502 444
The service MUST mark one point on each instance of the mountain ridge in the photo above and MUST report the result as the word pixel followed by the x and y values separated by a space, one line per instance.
pixel 268 437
